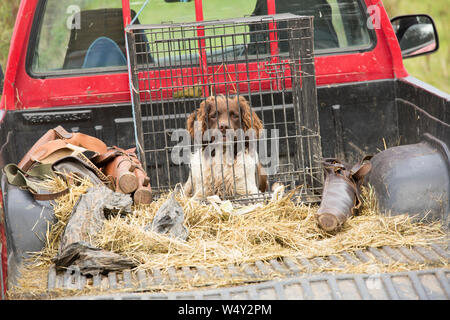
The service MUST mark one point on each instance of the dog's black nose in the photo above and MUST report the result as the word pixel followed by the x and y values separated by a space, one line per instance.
pixel 223 126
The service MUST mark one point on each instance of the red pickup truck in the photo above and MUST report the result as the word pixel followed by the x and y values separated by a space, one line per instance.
pixel 366 100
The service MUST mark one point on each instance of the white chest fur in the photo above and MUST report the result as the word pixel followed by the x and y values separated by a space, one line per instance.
pixel 223 174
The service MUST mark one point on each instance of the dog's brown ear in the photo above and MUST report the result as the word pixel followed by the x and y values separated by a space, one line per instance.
pixel 190 123
pixel 250 119
pixel 201 115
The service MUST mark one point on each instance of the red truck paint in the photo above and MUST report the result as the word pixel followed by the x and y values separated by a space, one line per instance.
pixel 384 61
pixel 126 12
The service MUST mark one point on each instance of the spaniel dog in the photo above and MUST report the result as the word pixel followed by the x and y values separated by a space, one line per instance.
pixel 216 170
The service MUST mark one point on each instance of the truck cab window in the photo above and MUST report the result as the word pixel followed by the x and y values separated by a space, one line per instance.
pixel 337 23
pixel 165 11
pixel 88 34
pixel 79 34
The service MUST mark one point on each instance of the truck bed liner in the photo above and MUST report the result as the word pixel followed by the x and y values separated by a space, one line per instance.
pixel 294 282
pixel 422 285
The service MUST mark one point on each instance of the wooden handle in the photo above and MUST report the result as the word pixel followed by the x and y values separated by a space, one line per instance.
pixel 119 169
pixel 143 194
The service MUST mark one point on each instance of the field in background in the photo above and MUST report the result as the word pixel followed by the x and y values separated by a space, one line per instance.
pixel 8 12
pixel 433 69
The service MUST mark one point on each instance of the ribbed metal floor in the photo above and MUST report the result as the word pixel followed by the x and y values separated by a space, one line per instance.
pixel 418 285
pixel 297 280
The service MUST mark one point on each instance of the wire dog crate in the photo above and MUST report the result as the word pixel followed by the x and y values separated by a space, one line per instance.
pixel 267 60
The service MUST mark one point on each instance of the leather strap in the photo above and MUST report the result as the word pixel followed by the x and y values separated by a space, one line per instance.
pixel 94 168
pixel 26 165
pixel 49 196
pixel 103 159
pixel 61 133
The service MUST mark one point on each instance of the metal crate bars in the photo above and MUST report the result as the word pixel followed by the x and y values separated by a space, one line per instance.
pixel 266 60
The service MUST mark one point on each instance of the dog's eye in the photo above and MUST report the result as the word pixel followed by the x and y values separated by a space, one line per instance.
pixel 212 116
pixel 234 116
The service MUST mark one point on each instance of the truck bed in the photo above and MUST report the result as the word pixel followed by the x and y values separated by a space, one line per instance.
pixel 293 279
pixel 373 115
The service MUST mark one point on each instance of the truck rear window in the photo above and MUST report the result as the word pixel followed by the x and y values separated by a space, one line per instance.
pixel 68 31
pixel 85 35
pixel 338 24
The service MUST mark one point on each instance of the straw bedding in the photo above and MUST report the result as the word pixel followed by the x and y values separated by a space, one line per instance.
pixel 219 235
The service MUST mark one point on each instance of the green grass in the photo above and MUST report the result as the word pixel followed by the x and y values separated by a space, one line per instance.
pixel 433 69
pixel 158 11
pixel 8 11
